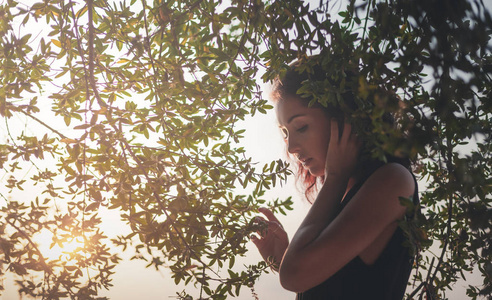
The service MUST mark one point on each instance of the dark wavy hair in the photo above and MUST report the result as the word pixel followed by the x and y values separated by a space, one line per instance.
pixel 292 83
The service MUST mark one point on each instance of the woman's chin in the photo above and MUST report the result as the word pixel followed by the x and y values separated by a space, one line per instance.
pixel 316 172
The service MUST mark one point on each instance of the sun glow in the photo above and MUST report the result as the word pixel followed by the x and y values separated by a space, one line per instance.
pixel 64 249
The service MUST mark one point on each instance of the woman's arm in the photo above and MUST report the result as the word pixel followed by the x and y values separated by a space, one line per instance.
pixel 323 244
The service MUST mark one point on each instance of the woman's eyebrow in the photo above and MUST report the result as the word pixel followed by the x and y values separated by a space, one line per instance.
pixel 293 117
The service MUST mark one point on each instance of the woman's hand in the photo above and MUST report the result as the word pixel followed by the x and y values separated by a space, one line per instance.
pixel 343 152
pixel 273 240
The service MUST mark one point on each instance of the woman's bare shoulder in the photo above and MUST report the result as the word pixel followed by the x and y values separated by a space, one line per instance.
pixel 392 177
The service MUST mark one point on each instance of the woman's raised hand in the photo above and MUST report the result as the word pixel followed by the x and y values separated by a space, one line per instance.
pixel 273 240
pixel 343 151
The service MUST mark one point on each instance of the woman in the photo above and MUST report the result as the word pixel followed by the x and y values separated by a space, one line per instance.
pixel 349 245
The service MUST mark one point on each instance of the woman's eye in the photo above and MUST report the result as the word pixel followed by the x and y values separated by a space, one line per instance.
pixel 302 129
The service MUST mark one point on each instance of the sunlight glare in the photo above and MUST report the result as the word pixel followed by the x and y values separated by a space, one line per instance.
pixel 44 240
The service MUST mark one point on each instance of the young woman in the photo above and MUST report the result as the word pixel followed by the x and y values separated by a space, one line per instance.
pixel 349 245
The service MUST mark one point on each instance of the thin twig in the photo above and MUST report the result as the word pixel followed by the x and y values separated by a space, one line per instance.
pixel 44 124
pixel 367 18
pixel 423 283
pixel 448 156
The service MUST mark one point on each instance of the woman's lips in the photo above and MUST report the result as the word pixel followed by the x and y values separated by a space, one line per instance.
pixel 306 162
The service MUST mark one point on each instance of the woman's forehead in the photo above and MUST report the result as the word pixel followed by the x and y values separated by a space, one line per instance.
pixel 290 108
pixel 286 108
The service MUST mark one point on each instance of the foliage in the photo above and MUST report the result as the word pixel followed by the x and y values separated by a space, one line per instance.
pixel 149 95
pixel 135 106
pixel 427 63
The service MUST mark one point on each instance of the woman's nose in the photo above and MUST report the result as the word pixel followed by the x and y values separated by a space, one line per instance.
pixel 292 145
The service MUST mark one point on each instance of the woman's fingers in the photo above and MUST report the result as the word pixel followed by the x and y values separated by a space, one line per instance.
pixel 334 134
pixel 347 132
pixel 269 214
pixel 271 226
pixel 341 137
pixel 257 241
pixel 275 227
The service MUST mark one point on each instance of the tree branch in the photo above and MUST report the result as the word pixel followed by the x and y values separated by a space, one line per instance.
pixel 44 124
pixel 38 252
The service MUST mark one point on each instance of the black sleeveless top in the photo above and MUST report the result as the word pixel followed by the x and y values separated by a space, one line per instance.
pixel 386 279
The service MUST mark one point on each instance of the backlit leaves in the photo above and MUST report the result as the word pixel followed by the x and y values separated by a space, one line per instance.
pixel 132 106
pixel 143 98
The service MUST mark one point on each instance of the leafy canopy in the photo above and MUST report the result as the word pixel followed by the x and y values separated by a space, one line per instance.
pixel 133 106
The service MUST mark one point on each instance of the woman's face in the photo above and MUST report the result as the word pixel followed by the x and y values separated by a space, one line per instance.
pixel 306 132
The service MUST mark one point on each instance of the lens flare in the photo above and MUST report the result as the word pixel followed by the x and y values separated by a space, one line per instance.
pixel 63 249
